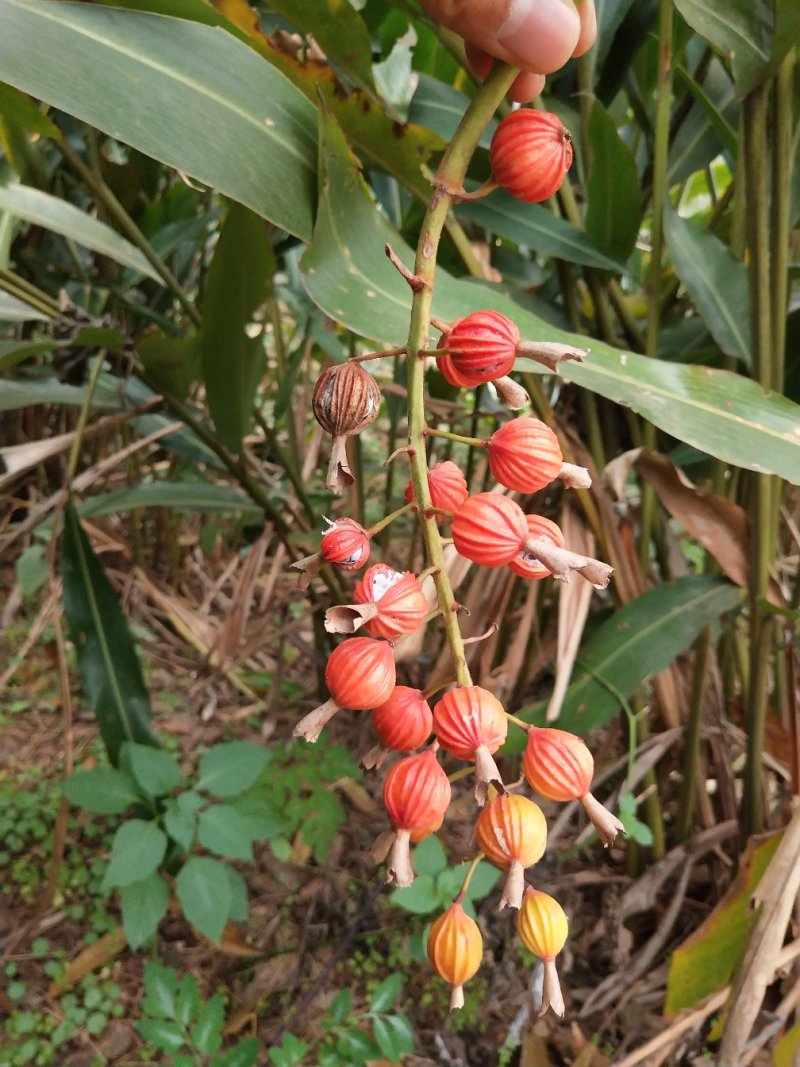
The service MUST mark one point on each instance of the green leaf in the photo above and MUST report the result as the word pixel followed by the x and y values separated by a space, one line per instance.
pixel 386 994
pixel 339 31
pixel 289 1053
pixel 63 218
pixel 205 894
pixel 430 856
pixel 222 829
pixel 638 641
pixel 341 1006
pixel 144 905
pixel 187 1002
pixel 232 767
pixel 539 229
pixel 394 1036
pixel 706 961
pixel 740 29
pixel 180 825
pixel 717 412
pixel 240 905
pixel 420 898
pixel 13 310
pixel 440 107
pixel 244 1054
pixel 197 78
pixel 613 190
pixel 711 109
pixel 137 850
pixel 161 1034
pixel 172 362
pixel 182 496
pixel 233 362
pixel 207 1031
pixel 32 570
pixel 716 281
pixel 24 111
pixel 156 772
pixel 107 660
pixel 103 790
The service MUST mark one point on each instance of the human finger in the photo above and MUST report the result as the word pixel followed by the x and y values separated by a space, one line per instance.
pixel 526 86
pixel 534 35
pixel 588 19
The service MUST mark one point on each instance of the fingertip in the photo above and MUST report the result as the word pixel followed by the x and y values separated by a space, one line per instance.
pixel 588 33
pixel 526 88
pixel 540 35
pixel 480 61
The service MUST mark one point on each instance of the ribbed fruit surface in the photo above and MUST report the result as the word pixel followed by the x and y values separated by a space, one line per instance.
pixel 489 529
pixel 531 151
pixel 483 346
pixel 360 673
pixel 468 717
pixel 398 596
pixel 542 924
pixel 345 544
pixel 524 454
pixel 346 399
pixel 447 485
pixel 511 827
pixel 404 721
pixel 448 371
pixel 455 946
pixel 526 565
pixel 558 765
pixel 416 793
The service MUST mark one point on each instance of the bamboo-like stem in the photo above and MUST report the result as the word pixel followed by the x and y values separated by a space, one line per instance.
pixel 763 494
pixel 118 213
pixel 692 737
pixel 29 294
pixel 660 192
pixel 451 173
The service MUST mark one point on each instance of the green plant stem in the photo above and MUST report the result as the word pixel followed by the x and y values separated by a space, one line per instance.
pixel 451 173
pixel 692 737
pixel 762 496
pixel 473 442
pixel 465 885
pixel 382 523
pixel 118 213
pixel 29 294
pixel 660 192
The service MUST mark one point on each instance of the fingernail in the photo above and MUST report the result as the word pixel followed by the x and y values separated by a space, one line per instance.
pixel 540 34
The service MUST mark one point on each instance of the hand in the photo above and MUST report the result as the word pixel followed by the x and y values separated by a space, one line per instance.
pixel 538 36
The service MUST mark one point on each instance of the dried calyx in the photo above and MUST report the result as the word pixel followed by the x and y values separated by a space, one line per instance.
pixel 346 399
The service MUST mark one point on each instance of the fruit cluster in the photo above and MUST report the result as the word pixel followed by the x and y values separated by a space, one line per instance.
pixel 467 722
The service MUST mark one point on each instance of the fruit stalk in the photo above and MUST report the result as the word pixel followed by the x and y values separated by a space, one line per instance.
pixel 449 176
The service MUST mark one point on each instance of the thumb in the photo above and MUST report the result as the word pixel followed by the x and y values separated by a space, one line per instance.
pixel 534 35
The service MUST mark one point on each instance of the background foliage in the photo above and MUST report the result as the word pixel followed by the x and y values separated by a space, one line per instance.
pixel 194 203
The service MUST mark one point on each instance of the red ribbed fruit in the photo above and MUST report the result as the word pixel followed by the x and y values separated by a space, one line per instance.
pixel 360 673
pixel 524 454
pixel 482 346
pixel 558 765
pixel 447 485
pixel 531 151
pixel 345 544
pixel 416 792
pixel 489 529
pixel 526 565
pixel 398 597
pixel 404 721
pixel 470 723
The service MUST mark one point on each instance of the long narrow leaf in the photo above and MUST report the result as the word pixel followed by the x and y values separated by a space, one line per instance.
pixel 720 413
pixel 107 660
pixel 57 215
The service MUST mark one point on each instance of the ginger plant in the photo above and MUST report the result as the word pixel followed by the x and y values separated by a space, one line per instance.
pixel 468 723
